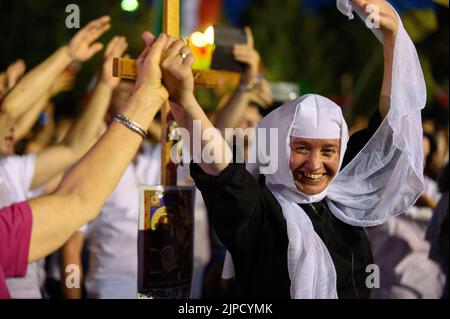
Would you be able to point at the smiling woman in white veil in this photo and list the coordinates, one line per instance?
(297, 233)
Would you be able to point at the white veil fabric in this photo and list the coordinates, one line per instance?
(382, 181)
(386, 177)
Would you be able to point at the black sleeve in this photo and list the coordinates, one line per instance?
(239, 208)
(359, 139)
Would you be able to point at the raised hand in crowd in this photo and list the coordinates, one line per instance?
(10, 77)
(14, 72)
(83, 46)
(83, 133)
(39, 79)
(115, 48)
(387, 17)
(246, 54)
(252, 88)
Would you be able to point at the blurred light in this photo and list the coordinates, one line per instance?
(202, 46)
(129, 5)
(442, 2)
(209, 35)
(198, 39)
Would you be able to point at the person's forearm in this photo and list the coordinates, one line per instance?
(86, 128)
(5, 124)
(81, 136)
(87, 185)
(44, 137)
(222, 155)
(385, 95)
(72, 292)
(3, 84)
(71, 256)
(26, 122)
(233, 111)
(118, 143)
(35, 83)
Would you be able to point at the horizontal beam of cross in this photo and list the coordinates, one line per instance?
(126, 69)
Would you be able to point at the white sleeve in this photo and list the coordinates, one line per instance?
(19, 169)
(83, 229)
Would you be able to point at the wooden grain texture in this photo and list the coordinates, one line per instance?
(126, 69)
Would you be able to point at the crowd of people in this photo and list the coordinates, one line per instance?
(69, 188)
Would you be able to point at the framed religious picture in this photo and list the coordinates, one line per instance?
(165, 242)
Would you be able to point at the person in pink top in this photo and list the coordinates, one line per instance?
(15, 233)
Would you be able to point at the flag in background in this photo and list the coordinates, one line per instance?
(190, 18)
(199, 14)
(194, 15)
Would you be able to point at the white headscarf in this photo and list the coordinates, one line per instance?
(382, 181)
(310, 116)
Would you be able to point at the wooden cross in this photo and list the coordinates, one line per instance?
(126, 68)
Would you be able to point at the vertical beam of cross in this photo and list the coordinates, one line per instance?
(171, 26)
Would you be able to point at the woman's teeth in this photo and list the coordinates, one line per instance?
(313, 176)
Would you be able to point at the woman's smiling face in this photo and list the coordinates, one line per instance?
(314, 163)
